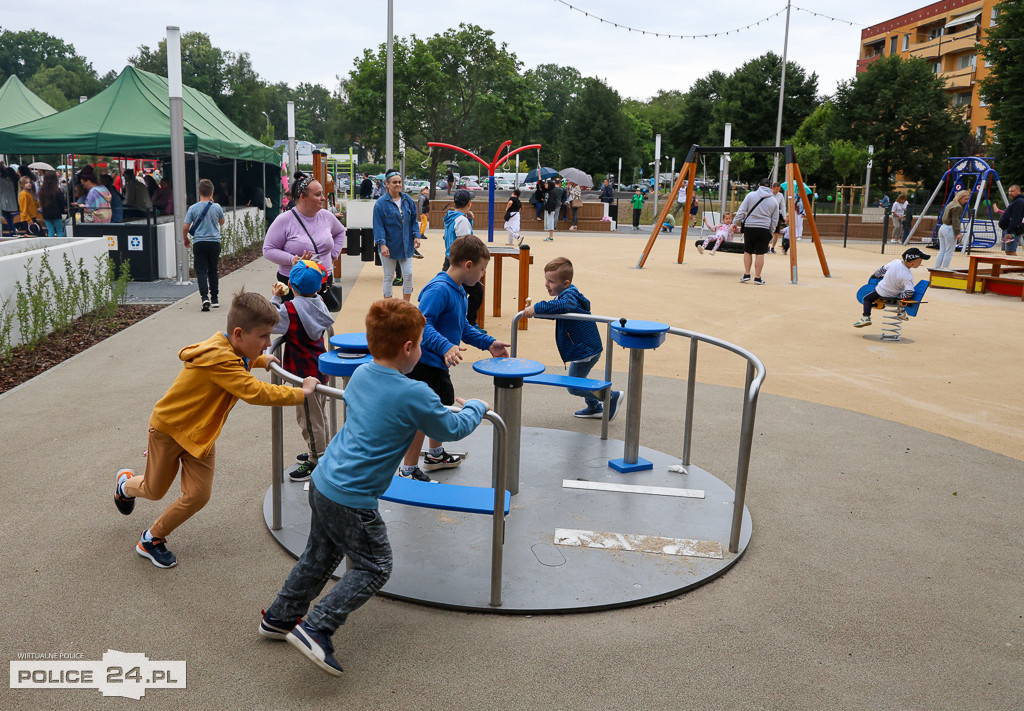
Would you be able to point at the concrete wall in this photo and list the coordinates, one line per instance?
(15, 256)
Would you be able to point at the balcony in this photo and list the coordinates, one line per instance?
(947, 44)
(862, 64)
(959, 79)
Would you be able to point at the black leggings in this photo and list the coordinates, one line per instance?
(206, 255)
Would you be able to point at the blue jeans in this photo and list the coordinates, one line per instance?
(581, 369)
(335, 531)
(55, 228)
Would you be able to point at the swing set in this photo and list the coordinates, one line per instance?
(688, 175)
(979, 230)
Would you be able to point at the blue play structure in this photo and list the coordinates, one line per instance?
(894, 310)
(979, 226)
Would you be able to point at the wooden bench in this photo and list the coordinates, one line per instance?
(1003, 285)
(446, 497)
(565, 381)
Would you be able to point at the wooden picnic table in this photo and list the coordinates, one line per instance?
(997, 262)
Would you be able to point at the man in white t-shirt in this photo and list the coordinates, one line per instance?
(896, 282)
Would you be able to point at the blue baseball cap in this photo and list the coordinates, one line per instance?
(306, 277)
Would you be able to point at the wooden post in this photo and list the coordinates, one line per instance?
(524, 282)
(690, 191)
(790, 214)
(810, 221)
(688, 167)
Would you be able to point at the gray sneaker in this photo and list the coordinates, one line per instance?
(417, 475)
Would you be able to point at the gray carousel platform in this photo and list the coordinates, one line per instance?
(442, 558)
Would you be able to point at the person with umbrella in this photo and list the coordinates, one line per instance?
(538, 198)
(552, 203)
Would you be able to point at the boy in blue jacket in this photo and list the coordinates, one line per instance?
(354, 472)
(443, 303)
(579, 342)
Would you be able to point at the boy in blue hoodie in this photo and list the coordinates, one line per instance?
(579, 342)
(354, 472)
(459, 223)
(443, 303)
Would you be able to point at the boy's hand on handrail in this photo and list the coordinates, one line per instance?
(453, 356)
(309, 385)
(462, 402)
(529, 311)
(271, 359)
(499, 349)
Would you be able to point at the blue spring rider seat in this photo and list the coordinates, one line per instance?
(893, 310)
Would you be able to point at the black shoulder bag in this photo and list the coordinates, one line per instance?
(329, 292)
(743, 223)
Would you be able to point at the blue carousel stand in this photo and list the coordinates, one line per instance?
(350, 342)
(638, 337)
(508, 374)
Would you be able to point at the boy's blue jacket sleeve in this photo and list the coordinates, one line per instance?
(442, 424)
(561, 304)
(432, 305)
(475, 337)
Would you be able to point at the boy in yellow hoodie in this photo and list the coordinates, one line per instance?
(187, 420)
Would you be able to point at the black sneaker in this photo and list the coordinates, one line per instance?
(156, 551)
(273, 628)
(416, 474)
(301, 457)
(206, 304)
(315, 646)
(124, 504)
(613, 406)
(759, 281)
(745, 278)
(416, 254)
(214, 303)
(443, 461)
(303, 472)
(398, 281)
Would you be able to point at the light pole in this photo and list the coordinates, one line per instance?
(782, 95)
(389, 103)
(267, 116)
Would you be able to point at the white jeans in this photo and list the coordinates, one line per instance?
(389, 274)
(947, 245)
(512, 227)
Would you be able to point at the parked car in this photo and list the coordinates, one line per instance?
(499, 183)
(414, 186)
(469, 184)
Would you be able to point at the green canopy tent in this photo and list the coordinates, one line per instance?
(18, 104)
(131, 118)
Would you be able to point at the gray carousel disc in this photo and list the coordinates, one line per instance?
(442, 558)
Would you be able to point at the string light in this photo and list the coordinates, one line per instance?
(708, 35)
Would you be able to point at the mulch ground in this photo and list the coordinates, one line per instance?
(90, 329)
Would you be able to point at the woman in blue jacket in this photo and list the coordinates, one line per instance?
(396, 234)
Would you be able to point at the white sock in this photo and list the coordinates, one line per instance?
(407, 468)
(120, 487)
(436, 451)
(147, 536)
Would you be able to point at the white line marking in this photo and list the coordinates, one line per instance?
(636, 542)
(632, 488)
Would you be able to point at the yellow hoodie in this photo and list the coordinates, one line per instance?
(214, 376)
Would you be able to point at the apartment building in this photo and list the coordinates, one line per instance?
(945, 34)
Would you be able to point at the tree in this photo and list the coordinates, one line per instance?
(811, 141)
(693, 123)
(1001, 89)
(596, 128)
(457, 87)
(202, 64)
(901, 108)
(555, 87)
(49, 66)
(847, 157)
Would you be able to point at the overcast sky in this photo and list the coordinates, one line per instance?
(314, 42)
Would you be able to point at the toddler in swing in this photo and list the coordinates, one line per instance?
(721, 232)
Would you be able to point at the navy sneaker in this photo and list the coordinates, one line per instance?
(273, 628)
(124, 504)
(156, 551)
(316, 646)
(418, 475)
(303, 472)
(590, 413)
(616, 400)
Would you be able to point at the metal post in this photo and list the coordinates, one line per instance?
(508, 403)
(723, 188)
(846, 224)
(234, 185)
(607, 376)
(691, 386)
(195, 163)
(657, 173)
(177, 113)
(389, 106)
(634, 396)
(276, 459)
(498, 520)
(293, 160)
(743, 463)
(867, 175)
(782, 96)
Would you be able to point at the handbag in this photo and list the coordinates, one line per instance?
(743, 227)
(577, 203)
(330, 292)
(195, 225)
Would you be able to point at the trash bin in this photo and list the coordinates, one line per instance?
(135, 242)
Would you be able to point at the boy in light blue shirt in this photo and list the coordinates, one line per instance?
(354, 472)
(202, 224)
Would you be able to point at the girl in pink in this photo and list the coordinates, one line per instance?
(721, 233)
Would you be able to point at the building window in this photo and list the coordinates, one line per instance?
(994, 20)
(966, 60)
(893, 44)
(979, 133)
(936, 67)
(935, 32)
(963, 99)
(981, 101)
(906, 43)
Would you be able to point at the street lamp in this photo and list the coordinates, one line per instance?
(267, 117)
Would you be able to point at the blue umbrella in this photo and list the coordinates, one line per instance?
(807, 188)
(545, 173)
